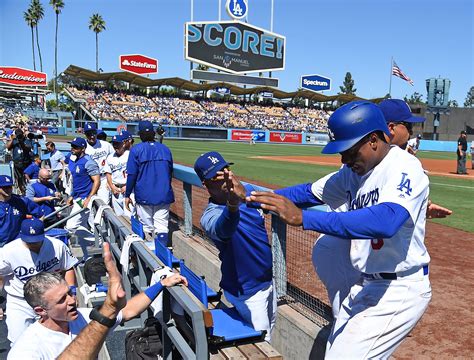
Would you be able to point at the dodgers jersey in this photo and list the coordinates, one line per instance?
(399, 178)
(99, 153)
(39, 342)
(116, 166)
(19, 263)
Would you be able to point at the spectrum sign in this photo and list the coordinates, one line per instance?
(138, 64)
(315, 82)
(23, 77)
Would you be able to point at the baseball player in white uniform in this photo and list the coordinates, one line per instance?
(414, 144)
(386, 192)
(20, 259)
(99, 150)
(116, 172)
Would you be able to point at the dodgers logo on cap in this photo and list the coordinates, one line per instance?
(207, 165)
(32, 231)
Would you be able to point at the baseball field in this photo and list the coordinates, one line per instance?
(284, 165)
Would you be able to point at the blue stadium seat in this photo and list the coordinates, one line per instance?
(165, 255)
(228, 326)
(137, 227)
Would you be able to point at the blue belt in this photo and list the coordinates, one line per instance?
(395, 276)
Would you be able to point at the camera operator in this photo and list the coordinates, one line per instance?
(21, 149)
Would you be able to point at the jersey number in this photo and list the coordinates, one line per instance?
(376, 244)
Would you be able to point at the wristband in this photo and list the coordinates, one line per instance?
(153, 291)
(101, 319)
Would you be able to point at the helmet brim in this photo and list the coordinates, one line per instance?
(335, 147)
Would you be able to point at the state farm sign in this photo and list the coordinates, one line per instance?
(138, 64)
(24, 77)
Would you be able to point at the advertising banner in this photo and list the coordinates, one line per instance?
(285, 137)
(22, 77)
(203, 133)
(234, 46)
(246, 135)
(315, 82)
(317, 139)
(138, 64)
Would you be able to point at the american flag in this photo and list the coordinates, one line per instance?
(397, 72)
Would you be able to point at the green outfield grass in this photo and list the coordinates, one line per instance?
(456, 194)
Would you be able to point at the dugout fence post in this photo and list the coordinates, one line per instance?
(279, 255)
(187, 206)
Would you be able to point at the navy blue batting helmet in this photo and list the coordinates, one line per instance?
(350, 123)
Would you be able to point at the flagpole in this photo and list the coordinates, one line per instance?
(391, 73)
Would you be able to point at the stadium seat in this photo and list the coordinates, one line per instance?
(165, 255)
(137, 227)
(197, 285)
(228, 326)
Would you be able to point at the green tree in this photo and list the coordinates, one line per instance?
(58, 5)
(30, 20)
(453, 103)
(38, 14)
(415, 98)
(97, 25)
(469, 102)
(348, 85)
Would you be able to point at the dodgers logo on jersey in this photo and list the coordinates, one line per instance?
(405, 184)
(362, 200)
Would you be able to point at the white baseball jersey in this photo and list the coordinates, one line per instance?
(117, 167)
(400, 179)
(413, 144)
(39, 342)
(99, 153)
(18, 263)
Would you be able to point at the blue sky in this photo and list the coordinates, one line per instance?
(328, 37)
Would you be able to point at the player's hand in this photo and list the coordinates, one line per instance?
(174, 280)
(115, 190)
(86, 202)
(50, 198)
(280, 205)
(69, 201)
(128, 202)
(434, 211)
(115, 300)
(234, 188)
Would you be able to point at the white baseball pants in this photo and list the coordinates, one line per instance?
(104, 192)
(258, 309)
(377, 315)
(154, 217)
(332, 263)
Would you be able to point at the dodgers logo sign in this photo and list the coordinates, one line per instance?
(237, 9)
(315, 82)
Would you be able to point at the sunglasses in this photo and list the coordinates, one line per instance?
(408, 125)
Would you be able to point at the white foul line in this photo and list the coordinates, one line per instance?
(456, 186)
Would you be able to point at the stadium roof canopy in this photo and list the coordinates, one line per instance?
(89, 75)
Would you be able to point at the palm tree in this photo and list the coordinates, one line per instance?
(97, 25)
(58, 5)
(30, 20)
(38, 13)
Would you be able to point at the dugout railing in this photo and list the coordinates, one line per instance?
(295, 279)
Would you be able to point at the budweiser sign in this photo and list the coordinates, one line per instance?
(24, 77)
(138, 64)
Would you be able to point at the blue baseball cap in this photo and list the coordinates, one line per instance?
(126, 134)
(395, 110)
(79, 142)
(207, 165)
(100, 131)
(118, 138)
(145, 126)
(32, 231)
(5, 180)
(90, 127)
(9, 133)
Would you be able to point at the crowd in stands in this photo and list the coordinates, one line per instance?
(106, 104)
(12, 115)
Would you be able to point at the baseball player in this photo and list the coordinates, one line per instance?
(240, 235)
(30, 254)
(116, 172)
(61, 321)
(43, 192)
(58, 165)
(128, 139)
(414, 144)
(385, 191)
(85, 176)
(149, 175)
(13, 210)
(32, 170)
(98, 150)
